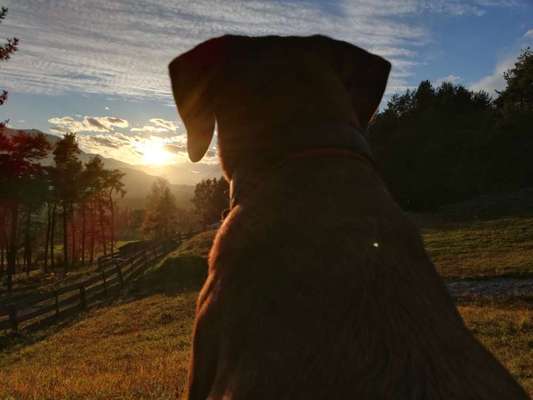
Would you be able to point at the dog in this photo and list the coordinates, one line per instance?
(319, 286)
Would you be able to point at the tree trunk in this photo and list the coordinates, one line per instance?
(52, 236)
(93, 231)
(65, 237)
(73, 254)
(83, 228)
(47, 237)
(2, 258)
(2, 242)
(27, 244)
(102, 227)
(12, 248)
(112, 209)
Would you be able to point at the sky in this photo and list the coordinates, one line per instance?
(99, 67)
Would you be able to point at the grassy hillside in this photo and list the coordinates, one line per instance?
(482, 248)
(138, 348)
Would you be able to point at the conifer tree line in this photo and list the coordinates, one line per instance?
(57, 216)
(439, 145)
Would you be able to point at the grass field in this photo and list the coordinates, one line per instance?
(138, 348)
(481, 249)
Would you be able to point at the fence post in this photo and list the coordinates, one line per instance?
(56, 303)
(13, 317)
(83, 300)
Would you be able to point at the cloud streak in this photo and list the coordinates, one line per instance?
(87, 124)
(122, 47)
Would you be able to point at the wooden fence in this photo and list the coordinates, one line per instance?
(111, 276)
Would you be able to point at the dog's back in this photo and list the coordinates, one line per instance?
(328, 294)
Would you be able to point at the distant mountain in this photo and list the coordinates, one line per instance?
(137, 182)
(186, 172)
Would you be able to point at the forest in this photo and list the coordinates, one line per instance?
(439, 145)
(66, 210)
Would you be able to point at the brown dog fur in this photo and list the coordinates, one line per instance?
(319, 287)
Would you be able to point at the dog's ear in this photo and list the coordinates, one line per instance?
(192, 75)
(364, 75)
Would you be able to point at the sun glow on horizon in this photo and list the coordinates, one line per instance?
(154, 153)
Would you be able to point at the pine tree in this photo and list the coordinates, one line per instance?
(160, 221)
(211, 198)
(518, 94)
(19, 162)
(113, 185)
(68, 170)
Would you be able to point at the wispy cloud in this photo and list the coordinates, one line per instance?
(159, 127)
(87, 124)
(529, 34)
(122, 47)
(163, 123)
(150, 129)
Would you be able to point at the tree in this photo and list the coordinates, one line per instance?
(430, 144)
(91, 181)
(98, 189)
(19, 163)
(68, 170)
(211, 198)
(113, 185)
(518, 94)
(160, 220)
(35, 195)
(87, 195)
(6, 50)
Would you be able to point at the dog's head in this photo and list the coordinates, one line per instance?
(266, 94)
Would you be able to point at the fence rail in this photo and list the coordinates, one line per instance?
(113, 273)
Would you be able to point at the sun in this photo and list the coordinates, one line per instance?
(154, 153)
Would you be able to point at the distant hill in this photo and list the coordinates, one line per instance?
(137, 182)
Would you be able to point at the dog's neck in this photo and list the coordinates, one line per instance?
(351, 144)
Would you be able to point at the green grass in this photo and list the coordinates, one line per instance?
(481, 249)
(198, 245)
(139, 347)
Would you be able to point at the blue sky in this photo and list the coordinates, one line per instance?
(99, 67)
